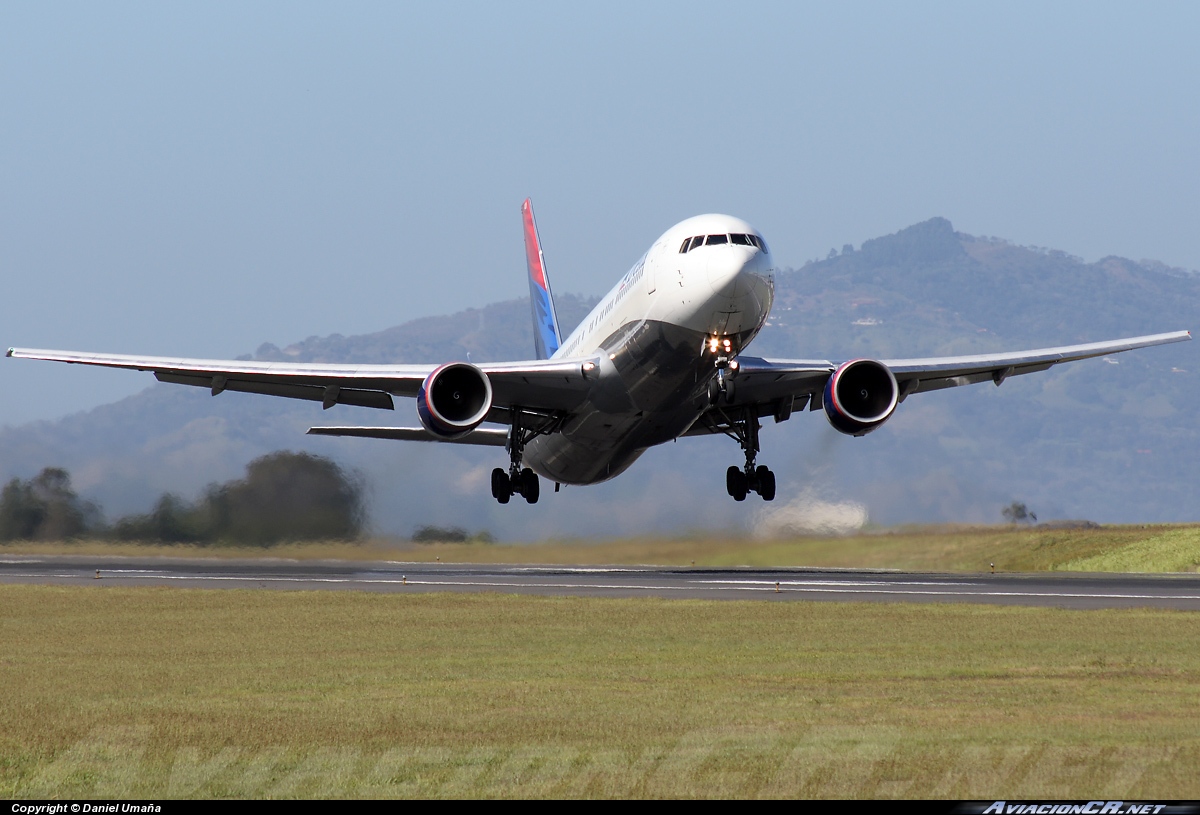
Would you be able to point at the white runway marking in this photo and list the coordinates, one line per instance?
(761, 586)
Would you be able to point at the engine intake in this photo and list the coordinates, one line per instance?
(454, 400)
(860, 396)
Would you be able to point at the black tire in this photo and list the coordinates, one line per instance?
(740, 485)
(732, 476)
(766, 483)
(531, 487)
(501, 489)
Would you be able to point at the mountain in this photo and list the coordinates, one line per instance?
(1113, 440)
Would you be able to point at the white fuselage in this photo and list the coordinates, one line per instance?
(654, 335)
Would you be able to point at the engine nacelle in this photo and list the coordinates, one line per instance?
(454, 400)
(860, 396)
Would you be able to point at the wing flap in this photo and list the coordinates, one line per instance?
(329, 395)
(485, 436)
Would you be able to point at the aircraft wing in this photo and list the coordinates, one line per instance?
(548, 385)
(779, 386)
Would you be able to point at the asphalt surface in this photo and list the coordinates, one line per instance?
(1081, 591)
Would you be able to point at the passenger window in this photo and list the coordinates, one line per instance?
(712, 239)
(740, 240)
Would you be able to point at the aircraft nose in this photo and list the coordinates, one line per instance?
(730, 269)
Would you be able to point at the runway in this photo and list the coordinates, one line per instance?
(1079, 591)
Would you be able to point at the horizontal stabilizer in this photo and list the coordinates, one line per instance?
(487, 436)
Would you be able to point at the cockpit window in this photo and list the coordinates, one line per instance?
(738, 238)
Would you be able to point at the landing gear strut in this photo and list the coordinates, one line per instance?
(750, 478)
(519, 480)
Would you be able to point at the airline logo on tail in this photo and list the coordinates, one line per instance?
(546, 337)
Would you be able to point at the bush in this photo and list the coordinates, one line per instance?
(450, 534)
(172, 520)
(440, 534)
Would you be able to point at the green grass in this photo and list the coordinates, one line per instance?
(946, 548)
(1177, 550)
(179, 693)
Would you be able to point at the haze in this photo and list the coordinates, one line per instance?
(199, 180)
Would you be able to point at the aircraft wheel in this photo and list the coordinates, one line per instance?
(736, 483)
(531, 487)
(501, 489)
(766, 483)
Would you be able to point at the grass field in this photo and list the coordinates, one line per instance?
(970, 549)
(180, 693)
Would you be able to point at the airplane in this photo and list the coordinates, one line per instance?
(661, 357)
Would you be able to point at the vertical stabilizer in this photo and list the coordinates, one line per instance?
(546, 337)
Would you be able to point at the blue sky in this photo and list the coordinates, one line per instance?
(197, 180)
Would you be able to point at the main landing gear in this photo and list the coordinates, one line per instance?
(519, 480)
(516, 481)
(739, 483)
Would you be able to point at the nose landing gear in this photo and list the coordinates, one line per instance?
(740, 482)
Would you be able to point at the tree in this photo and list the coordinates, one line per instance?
(45, 508)
(1017, 512)
(284, 496)
(287, 496)
(20, 512)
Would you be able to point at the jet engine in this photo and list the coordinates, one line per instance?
(860, 396)
(454, 399)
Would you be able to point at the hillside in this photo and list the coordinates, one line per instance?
(1111, 440)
